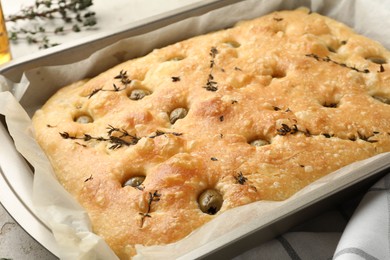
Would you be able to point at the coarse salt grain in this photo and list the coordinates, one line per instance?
(308, 168)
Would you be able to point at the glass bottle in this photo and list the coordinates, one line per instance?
(5, 54)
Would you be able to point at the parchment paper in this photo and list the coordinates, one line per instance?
(68, 221)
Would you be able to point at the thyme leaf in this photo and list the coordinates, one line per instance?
(175, 79)
(159, 133)
(381, 68)
(240, 178)
(90, 178)
(285, 129)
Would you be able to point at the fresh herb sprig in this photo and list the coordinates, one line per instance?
(117, 137)
(327, 59)
(153, 197)
(73, 14)
(123, 138)
(211, 84)
(122, 77)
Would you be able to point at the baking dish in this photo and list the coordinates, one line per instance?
(228, 244)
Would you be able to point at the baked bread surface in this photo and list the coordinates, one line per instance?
(266, 108)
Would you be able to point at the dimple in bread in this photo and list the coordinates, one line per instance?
(157, 146)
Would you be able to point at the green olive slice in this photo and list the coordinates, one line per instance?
(176, 114)
(84, 119)
(134, 181)
(377, 60)
(331, 49)
(233, 44)
(382, 99)
(259, 142)
(210, 201)
(137, 94)
(177, 58)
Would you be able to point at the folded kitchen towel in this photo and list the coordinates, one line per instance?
(367, 234)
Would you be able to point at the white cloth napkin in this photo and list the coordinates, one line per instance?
(367, 235)
(346, 232)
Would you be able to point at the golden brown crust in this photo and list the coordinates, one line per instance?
(302, 83)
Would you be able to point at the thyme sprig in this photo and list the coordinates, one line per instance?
(240, 178)
(73, 13)
(118, 137)
(211, 84)
(123, 139)
(124, 80)
(153, 197)
(327, 59)
(49, 8)
(285, 129)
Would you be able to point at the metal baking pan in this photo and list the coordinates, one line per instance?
(16, 175)
(82, 48)
(16, 179)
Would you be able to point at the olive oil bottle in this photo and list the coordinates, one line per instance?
(5, 54)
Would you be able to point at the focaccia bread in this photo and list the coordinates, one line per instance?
(159, 145)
